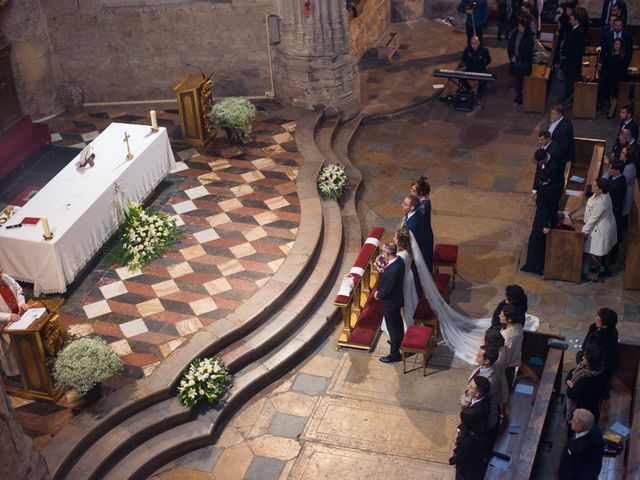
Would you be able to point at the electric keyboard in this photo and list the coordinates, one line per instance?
(462, 75)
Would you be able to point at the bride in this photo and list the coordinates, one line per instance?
(462, 334)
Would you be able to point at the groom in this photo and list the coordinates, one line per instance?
(389, 290)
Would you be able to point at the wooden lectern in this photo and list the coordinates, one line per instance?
(195, 99)
(31, 348)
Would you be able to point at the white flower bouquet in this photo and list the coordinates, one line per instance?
(145, 237)
(332, 181)
(206, 379)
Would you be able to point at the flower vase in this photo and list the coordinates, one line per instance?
(234, 136)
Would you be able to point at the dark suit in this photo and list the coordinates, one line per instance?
(606, 42)
(563, 136)
(469, 456)
(524, 58)
(557, 175)
(483, 407)
(617, 192)
(553, 149)
(582, 457)
(390, 292)
(606, 12)
(571, 53)
(632, 126)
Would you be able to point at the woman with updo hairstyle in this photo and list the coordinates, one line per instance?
(421, 189)
(603, 334)
(516, 296)
(403, 240)
(599, 228)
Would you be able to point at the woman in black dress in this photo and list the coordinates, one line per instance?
(603, 334)
(613, 70)
(586, 384)
(546, 202)
(471, 450)
(422, 189)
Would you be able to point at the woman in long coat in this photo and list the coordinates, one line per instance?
(546, 209)
(599, 227)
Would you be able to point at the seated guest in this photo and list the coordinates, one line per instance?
(586, 384)
(613, 70)
(546, 208)
(600, 229)
(513, 336)
(520, 50)
(479, 390)
(513, 295)
(12, 306)
(603, 334)
(582, 456)
(471, 449)
(475, 58)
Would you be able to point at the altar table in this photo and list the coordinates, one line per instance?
(84, 207)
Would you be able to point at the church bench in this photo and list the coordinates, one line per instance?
(361, 313)
(536, 85)
(632, 469)
(563, 253)
(585, 96)
(529, 412)
(632, 261)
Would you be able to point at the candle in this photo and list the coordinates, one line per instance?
(154, 120)
(45, 227)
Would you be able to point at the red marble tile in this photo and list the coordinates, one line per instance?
(288, 216)
(207, 205)
(169, 317)
(198, 221)
(198, 277)
(156, 270)
(139, 288)
(226, 303)
(278, 232)
(153, 338)
(230, 177)
(249, 211)
(140, 359)
(255, 266)
(123, 308)
(213, 190)
(235, 226)
(185, 297)
(107, 329)
(226, 243)
(267, 248)
(68, 320)
(242, 284)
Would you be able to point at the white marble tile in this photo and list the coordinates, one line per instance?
(218, 285)
(179, 166)
(203, 305)
(113, 289)
(197, 192)
(96, 309)
(184, 207)
(133, 328)
(189, 153)
(207, 235)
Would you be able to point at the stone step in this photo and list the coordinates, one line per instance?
(69, 445)
(308, 328)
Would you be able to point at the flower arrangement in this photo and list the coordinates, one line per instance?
(234, 114)
(380, 263)
(145, 237)
(84, 363)
(332, 181)
(206, 379)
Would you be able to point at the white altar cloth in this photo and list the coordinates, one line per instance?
(84, 207)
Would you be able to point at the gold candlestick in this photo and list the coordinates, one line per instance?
(126, 140)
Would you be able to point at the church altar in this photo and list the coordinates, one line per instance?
(84, 207)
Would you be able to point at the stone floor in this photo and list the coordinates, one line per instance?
(343, 413)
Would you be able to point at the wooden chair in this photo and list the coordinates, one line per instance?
(417, 340)
(443, 283)
(446, 255)
(425, 316)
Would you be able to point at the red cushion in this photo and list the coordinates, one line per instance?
(417, 337)
(445, 253)
(442, 281)
(423, 311)
(368, 323)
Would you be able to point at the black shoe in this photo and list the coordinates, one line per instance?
(390, 359)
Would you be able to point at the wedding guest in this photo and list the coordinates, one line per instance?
(571, 53)
(561, 130)
(628, 123)
(603, 334)
(504, 14)
(389, 290)
(613, 71)
(611, 7)
(513, 337)
(628, 157)
(618, 33)
(585, 384)
(544, 162)
(422, 190)
(617, 193)
(520, 51)
(12, 306)
(582, 456)
(471, 447)
(549, 146)
(600, 229)
(493, 338)
(480, 389)
(513, 295)
(545, 218)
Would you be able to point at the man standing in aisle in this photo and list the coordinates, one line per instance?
(389, 290)
(12, 305)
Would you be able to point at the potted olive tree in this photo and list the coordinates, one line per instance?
(235, 115)
(84, 363)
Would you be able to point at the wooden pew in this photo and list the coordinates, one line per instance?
(632, 469)
(529, 411)
(563, 255)
(536, 85)
(585, 96)
(632, 262)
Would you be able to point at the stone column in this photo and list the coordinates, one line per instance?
(312, 63)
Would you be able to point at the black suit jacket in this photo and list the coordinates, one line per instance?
(556, 172)
(606, 42)
(524, 55)
(553, 150)
(483, 408)
(572, 50)
(632, 126)
(604, 17)
(417, 226)
(617, 192)
(390, 286)
(582, 457)
(563, 136)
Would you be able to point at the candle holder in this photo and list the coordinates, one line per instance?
(155, 130)
(49, 237)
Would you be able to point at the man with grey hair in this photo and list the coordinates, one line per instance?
(582, 456)
(389, 290)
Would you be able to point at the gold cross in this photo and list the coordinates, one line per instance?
(126, 140)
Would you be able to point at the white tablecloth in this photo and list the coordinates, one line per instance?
(84, 207)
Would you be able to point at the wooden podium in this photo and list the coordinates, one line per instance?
(31, 347)
(195, 99)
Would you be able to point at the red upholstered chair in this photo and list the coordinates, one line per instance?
(425, 316)
(417, 340)
(446, 255)
(443, 282)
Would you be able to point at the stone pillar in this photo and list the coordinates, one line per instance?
(24, 24)
(312, 63)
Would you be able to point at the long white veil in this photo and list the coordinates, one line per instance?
(462, 334)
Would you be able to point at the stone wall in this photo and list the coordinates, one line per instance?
(366, 29)
(403, 10)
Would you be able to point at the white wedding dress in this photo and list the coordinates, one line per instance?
(409, 293)
(463, 335)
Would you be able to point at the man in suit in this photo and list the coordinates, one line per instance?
(545, 162)
(561, 130)
(389, 291)
(618, 32)
(582, 456)
(613, 7)
(499, 392)
(628, 123)
(624, 139)
(479, 389)
(617, 192)
(571, 53)
(548, 145)
(414, 221)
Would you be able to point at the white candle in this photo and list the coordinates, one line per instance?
(154, 119)
(45, 227)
